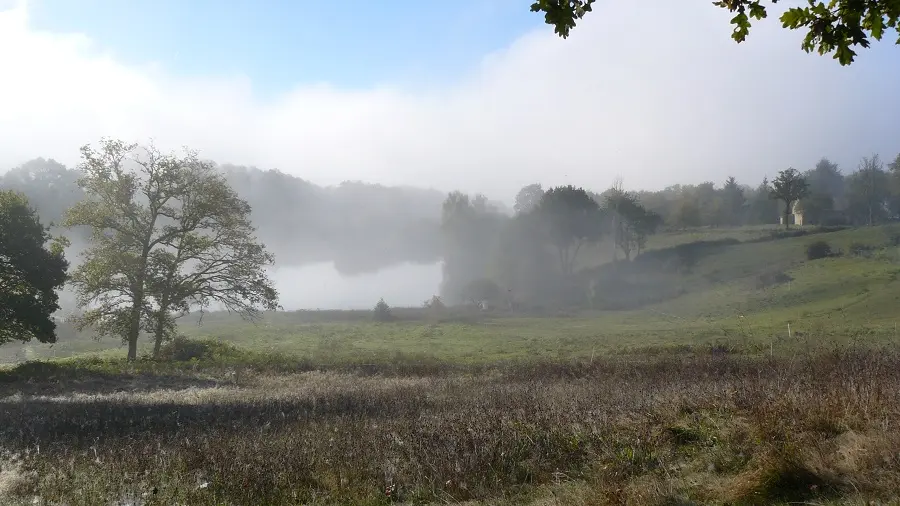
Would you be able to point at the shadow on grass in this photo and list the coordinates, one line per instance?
(79, 422)
(67, 378)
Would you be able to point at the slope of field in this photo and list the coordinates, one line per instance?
(741, 289)
(741, 373)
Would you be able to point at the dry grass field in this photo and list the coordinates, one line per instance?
(644, 428)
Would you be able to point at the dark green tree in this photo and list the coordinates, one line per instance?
(32, 269)
(816, 207)
(833, 26)
(789, 187)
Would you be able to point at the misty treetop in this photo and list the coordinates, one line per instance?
(360, 227)
(835, 26)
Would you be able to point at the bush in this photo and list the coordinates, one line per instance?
(818, 249)
(382, 311)
(772, 278)
(182, 349)
(859, 249)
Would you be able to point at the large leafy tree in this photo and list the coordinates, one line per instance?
(832, 27)
(167, 233)
(32, 268)
(571, 218)
(789, 187)
(210, 256)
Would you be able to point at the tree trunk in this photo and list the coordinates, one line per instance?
(787, 215)
(160, 325)
(158, 337)
(134, 328)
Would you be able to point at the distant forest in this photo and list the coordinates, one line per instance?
(360, 227)
(528, 254)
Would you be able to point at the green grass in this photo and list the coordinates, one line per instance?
(717, 303)
(701, 397)
(832, 299)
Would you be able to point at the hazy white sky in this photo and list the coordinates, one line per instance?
(654, 91)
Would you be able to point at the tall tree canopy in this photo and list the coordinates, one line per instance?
(30, 273)
(571, 217)
(167, 233)
(528, 198)
(835, 26)
(868, 192)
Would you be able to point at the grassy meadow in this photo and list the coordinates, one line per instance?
(750, 375)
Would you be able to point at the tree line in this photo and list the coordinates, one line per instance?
(868, 195)
(360, 227)
(533, 255)
(165, 234)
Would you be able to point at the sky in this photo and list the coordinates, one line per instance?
(477, 95)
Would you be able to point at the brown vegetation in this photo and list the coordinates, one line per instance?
(635, 429)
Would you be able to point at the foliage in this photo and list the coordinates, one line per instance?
(482, 289)
(817, 250)
(836, 26)
(789, 187)
(868, 192)
(182, 349)
(30, 272)
(816, 208)
(631, 222)
(734, 201)
(168, 233)
(471, 230)
(570, 218)
(528, 198)
(382, 312)
(562, 14)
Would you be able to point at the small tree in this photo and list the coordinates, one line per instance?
(382, 312)
(30, 273)
(789, 187)
(631, 222)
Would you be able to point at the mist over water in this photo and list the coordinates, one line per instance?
(321, 286)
